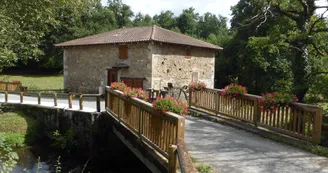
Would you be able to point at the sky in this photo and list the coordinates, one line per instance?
(153, 7)
(221, 7)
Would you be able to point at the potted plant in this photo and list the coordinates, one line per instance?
(170, 104)
(118, 86)
(233, 90)
(196, 86)
(272, 101)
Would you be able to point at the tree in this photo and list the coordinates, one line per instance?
(210, 23)
(187, 22)
(122, 12)
(24, 23)
(165, 20)
(282, 30)
(142, 20)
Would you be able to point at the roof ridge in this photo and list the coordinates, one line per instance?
(152, 35)
(187, 36)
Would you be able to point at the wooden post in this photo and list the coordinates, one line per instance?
(140, 123)
(119, 109)
(55, 99)
(39, 98)
(81, 102)
(70, 97)
(217, 102)
(106, 99)
(190, 95)
(6, 86)
(6, 96)
(172, 158)
(98, 104)
(257, 112)
(21, 97)
(316, 133)
(180, 129)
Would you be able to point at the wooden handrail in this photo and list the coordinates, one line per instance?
(185, 162)
(55, 96)
(298, 120)
(159, 130)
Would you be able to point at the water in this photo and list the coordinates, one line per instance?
(28, 160)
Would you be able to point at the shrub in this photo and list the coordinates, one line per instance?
(118, 86)
(271, 101)
(170, 104)
(196, 86)
(233, 90)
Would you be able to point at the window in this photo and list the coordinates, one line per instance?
(188, 55)
(133, 82)
(123, 52)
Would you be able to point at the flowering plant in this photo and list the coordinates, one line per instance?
(233, 90)
(196, 86)
(118, 86)
(135, 92)
(170, 104)
(271, 101)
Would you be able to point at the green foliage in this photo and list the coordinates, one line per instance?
(142, 20)
(64, 141)
(8, 158)
(17, 128)
(275, 49)
(170, 104)
(272, 101)
(203, 168)
(165, 20)
(233, 90)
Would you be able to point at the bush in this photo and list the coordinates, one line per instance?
(197, 86)
(118, 86)
(170, 104)
(271, 101)
(233, 90)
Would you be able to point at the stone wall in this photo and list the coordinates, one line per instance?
(171, 65)
(85, 66)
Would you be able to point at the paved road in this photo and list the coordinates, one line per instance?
(89, 105)
(230, 150)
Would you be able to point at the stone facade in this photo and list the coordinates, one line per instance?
(85, 66)
(171, 65)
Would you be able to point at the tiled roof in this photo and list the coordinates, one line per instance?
(139, 34)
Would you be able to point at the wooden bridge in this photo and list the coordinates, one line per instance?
(161, 140)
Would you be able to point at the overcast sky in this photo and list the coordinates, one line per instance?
(153, 7)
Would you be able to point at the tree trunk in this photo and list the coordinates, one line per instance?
(300, 71)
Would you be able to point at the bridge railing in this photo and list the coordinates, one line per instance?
(298, 120)
(55, 96)
(159, 130)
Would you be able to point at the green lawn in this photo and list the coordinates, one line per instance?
(37, 82)
(17, 128)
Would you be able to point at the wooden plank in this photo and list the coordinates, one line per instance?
(172, 159)
(303, 122)
(81, 102)
(21, 97)
(317, 124)
(55, 99)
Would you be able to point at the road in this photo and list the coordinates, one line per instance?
(230, 150)
(89, 104)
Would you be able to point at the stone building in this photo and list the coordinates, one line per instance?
(147, 57)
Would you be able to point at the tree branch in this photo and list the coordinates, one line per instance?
(317, 7)
(318, 20)
(293, 17)
(317, 49)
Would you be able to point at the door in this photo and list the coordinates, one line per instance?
(112, 76)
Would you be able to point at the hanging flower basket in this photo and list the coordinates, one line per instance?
(170, 104)
(272, 101)
(196, 86)
(233, 90)
(118, 86)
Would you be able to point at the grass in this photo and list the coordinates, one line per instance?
(37, 81)
(17, 128)
(201, 167)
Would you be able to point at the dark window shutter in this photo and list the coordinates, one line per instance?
(124, 52)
